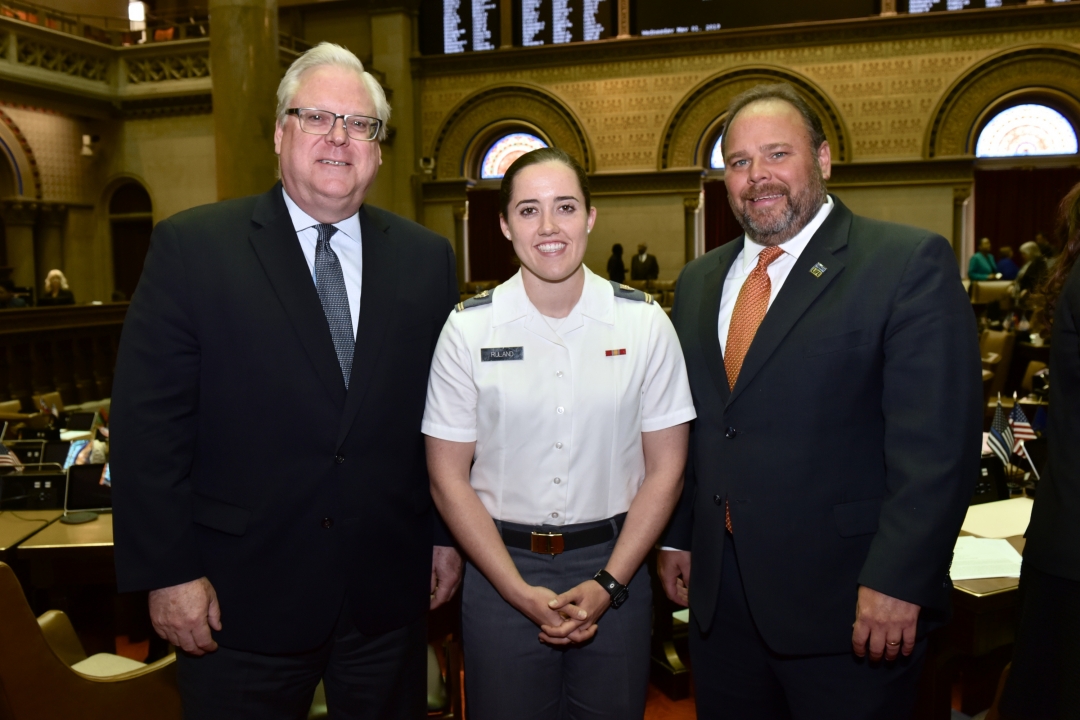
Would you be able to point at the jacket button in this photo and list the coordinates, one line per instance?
(730, 433)
(328, 523)
(718, 500)
(339, 459)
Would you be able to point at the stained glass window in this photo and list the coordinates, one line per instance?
(505, 151)
(1027, 130)
(716, 157)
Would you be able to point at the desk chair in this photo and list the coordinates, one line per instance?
(45, 674)
(995, 348)
(1025, 387)
(51, 400)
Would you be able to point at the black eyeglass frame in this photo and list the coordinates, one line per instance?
(376, 123)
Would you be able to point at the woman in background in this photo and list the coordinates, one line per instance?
(557, 420)
(57, 291)
(1045, 678)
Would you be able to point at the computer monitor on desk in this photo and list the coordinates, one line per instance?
(87, 494)
(991, 485)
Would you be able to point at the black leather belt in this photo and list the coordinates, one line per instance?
(554, 543)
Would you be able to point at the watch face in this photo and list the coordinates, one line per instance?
(619, 598)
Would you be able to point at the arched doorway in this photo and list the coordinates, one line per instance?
(130, 223)
(721, 226)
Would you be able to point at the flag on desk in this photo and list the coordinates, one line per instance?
(1021, 428)
(7, 458)
(1001, 435)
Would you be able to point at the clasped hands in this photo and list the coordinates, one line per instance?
(565, 618)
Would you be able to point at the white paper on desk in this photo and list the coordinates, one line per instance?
(1001, 519)
(975, 558)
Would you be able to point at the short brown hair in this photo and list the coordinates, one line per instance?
(535, 157)
(777, 91)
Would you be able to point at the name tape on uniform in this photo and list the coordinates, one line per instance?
(505, 353)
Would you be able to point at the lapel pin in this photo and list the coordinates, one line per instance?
(612, 353)
(818, 270)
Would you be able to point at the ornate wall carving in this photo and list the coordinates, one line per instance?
(465, 125)
(191, 66)
(694, 118)
(954, 120)
(25, 168)
(59, 59)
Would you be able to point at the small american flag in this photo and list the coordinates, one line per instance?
(1021, 428)
(1001, 435)
(7, 458)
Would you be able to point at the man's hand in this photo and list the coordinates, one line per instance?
(582, 605)
(445, 574)
(674, 569)
(886, 623)
(184, 614)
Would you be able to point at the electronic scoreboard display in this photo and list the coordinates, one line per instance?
(554, 22)
(672, 17)
(457, 26)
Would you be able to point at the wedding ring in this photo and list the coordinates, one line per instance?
(894, 644)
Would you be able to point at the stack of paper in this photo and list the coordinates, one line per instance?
(1001, 519)
(975, 557)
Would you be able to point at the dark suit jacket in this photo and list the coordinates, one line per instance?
(237, 452)
(849, 447)
(648, 270)
(1053, 538)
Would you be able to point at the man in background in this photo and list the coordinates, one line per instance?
(835, 370)
(270, 482)
(644, 266)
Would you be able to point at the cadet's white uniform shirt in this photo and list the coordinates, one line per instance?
(557, 431)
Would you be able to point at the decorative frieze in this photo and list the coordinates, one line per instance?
(192, 66)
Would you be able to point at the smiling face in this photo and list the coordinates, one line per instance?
(547, 221)
(775, 179)
(328, 176)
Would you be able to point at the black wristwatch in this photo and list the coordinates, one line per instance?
(618, 592)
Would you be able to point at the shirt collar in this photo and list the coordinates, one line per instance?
(510, 302)
(795, 245)
(349, 227)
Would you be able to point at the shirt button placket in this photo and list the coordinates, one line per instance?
(564, 392)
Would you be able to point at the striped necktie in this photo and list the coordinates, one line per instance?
(330, 284)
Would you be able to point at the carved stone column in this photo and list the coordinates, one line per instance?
(461, 250)
(50, 242)
(623, 10)
(245, 72)
(961, 193)
(19, 220)
(690, 209)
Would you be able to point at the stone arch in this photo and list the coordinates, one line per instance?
(18, 154)
(695, 119)
(1040, 73)
(481, 116)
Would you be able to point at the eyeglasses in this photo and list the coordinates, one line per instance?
(321, 122)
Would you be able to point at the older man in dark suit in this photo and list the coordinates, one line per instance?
(835, 369)
(270, 481)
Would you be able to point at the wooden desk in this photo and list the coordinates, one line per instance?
(58, 536)
(17, 525)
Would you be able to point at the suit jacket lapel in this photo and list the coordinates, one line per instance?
(709, 314)
(379, 278)
(274, 241)
(799, 291)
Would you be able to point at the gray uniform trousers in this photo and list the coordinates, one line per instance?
(509, 673)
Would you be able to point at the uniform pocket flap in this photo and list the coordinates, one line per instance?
(218, 515)
(837, 343)
(857, 518)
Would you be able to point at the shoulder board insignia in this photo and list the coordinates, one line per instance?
(483, 298)
(628, 293)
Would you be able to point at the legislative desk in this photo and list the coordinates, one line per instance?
(18, 525)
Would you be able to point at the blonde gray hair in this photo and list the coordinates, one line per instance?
(57, 273)
(330, 54)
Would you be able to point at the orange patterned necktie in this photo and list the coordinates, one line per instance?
(750, 308)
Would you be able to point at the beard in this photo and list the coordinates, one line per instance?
(778, 225)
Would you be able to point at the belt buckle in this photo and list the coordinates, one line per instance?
(547, 543)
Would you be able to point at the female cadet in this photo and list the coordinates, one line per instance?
(568, 397)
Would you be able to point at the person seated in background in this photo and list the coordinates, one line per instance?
(982, 265)
(1005, 266)
(1048, 251)
(1031, 275)
(56, 291)
(616, 270)
(9, 299)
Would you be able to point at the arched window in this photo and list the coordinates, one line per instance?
(1027, 130)
(716, 156)
(504, 151)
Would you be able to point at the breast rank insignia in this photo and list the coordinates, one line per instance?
(818, 270)
(613, 353)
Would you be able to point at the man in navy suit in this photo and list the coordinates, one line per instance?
(835, 369)
(271, 487)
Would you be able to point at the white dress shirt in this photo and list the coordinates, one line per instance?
(778, 269)
(558, 431)
(346, 244)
